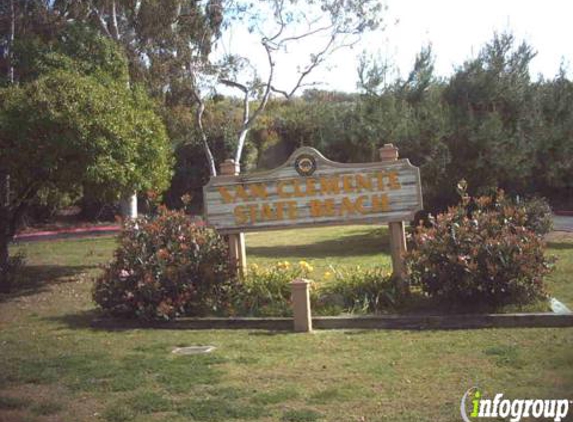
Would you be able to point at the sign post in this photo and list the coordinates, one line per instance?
(309, 191)
(389, 153)
(235, 241)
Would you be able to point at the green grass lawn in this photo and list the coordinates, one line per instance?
(55, 367)
(345, 245)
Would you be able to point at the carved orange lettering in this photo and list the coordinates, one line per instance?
(393, 182)
(330, 185)
(280, 210)
(380, 203)
(297, 189)
(240, 192)
(292, 211)
(380, 178)
(253, 213)
(315, 208)
(240, 215)
(363, 182)
(227, 197)
(310, 187)
(347, 206)
(328, 208)
(347, 183)
(359, 204)
(267, 212)
(280, 189)
(258, 191)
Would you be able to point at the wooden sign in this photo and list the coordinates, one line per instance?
(310, 190)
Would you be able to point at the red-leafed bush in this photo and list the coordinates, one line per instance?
(166, 266)
(479, 253)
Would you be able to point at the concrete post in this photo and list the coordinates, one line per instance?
(302, 316)
(236, 241)
(389, 153)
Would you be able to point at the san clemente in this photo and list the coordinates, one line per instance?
(324, 193)
(309, 190)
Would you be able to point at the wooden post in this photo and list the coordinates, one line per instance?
(302, 317)
(397, 232)
(236, 241)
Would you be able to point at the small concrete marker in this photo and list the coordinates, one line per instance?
(192, 350)
(558, 307)
(302, 317)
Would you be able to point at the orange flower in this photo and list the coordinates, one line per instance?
(163, 253)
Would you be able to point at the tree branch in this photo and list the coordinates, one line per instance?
(306, 34)
(102, 23)
(316, 60)
(279, 15)
(114, 21)
(136, 9)
(248, 123)
(234, 84)
(199, 121)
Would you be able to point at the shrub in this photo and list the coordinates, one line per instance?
(357, 290)
(267, 292)
(166, 266)
(481, 253)
(538, 214)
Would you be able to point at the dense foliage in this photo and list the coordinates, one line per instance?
(74, 126)
(362, 291)
(489, 123)
(166, 266)
(479, 253)
(66, 130)
(267, 291)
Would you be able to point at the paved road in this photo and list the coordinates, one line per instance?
(563, 223)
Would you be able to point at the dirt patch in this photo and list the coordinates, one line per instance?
(71, 407)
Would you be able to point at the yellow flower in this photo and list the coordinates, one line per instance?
(327, 275)
(254, 267)
(284, 265)
(305, 266)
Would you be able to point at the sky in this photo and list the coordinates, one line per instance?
(457, 29)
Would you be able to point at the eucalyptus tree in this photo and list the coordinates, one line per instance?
(278, 27)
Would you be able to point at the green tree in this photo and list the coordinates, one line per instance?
(493, 118)
(409, 113)
(65, 131)
(552, 173)
(163, 40)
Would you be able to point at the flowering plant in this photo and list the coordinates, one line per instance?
(166, 266)
(267, 291)
(358, 290)
(480, 253)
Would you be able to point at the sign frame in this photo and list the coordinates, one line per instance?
(315, 165)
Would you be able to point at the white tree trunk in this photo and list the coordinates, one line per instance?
(11, 41)
(129, 207)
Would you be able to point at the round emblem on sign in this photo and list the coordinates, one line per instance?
(305, 165)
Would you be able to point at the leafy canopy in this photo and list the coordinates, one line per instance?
(65, 130)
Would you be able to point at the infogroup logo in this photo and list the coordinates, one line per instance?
(475, 406)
